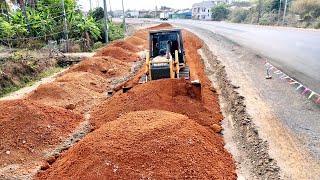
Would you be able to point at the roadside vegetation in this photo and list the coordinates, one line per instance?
(23, 67)
(32, 32)
(299, 13)
(33, 23)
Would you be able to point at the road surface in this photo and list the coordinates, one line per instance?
(295, 51)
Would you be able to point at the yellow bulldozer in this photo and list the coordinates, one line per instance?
(166, 56)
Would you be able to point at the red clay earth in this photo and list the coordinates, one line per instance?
(146, 145)
(140, 37)
(126, 46)
(139, 42)
(73, 91)
(27, 129)
(82, 86)
(152, 143)
(118, 53)
(167, 94)
(103, 66)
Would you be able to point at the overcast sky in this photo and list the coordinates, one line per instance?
(139, 4)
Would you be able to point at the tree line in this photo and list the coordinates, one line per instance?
(41, 20)
(296, 13)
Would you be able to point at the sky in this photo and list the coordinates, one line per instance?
(139, 4)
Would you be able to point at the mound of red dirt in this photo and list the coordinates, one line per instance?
(28, 128)
(73, 91)
(143, 34)
(103, 66)
(87, 80)
(167, 94)
(140, 38)
(125, 45)
(137, 41)
(118, 53)
(161, 26)
(146, 145)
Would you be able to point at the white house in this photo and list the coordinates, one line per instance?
(202, 10)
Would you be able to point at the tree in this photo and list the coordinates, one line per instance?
(97, 13)
(239, 15)
(307, 9)
(219, 12)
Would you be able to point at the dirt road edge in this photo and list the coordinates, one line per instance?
(241, 135)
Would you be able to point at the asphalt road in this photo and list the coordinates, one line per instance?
(295, 51)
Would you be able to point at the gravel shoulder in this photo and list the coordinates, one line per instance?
(286, 121)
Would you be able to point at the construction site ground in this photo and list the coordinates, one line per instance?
(81, 125)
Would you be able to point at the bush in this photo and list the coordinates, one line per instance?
(97, 45)
(115, 31)
(306, 8)
(317, 23)
(220, 12)
(238, 15)
(268, 19)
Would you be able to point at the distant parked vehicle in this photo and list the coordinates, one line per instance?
(164, 16)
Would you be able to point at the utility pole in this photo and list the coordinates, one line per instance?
(90, 1)
(110, 11)
(106, 29)
(65, 27)
(285, 11)
(279, 12)
(124, 18)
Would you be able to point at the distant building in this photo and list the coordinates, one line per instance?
(182, 14)
(202, 10)
(133, 14)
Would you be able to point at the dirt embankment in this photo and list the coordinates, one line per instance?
(32, 127)
(174, 134)
(27, 129)
(161, 129)
(146, 144)
(18, 70)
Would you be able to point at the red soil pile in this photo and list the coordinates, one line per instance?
(118, 53)
(139, 42)
(143, 34)
(102, 66)
(28, 128)
(140, 38)
(192, 44)
(161, 26)
(175, 95)
(73, 91)
(87, 80)
(125, 45)
(146, 145)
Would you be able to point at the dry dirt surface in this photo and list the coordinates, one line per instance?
(146, 145)
(175, 134)
(119, 53)
(105, 67)
(138, 133)
(28, 129)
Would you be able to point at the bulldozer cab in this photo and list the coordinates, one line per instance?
(166, 56)
(165, 43)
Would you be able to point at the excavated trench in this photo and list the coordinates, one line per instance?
(161, 129)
